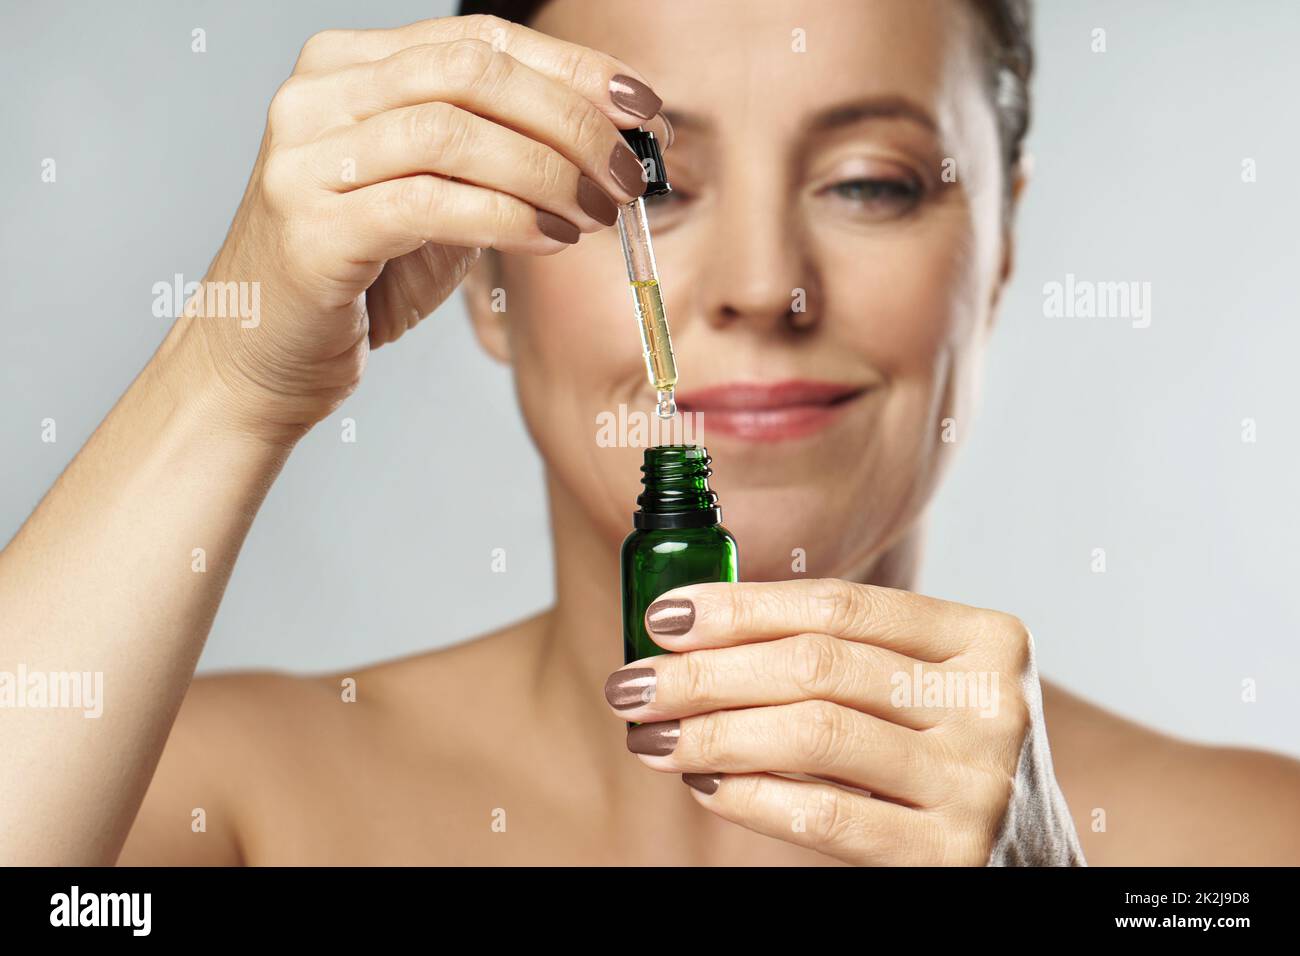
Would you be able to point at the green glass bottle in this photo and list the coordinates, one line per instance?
(678, 539)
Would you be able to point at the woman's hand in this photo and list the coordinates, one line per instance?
(929, 711)
(390, 159)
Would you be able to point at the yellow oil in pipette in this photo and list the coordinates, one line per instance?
(643, 275)
(661, 366)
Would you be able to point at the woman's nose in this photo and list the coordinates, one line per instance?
(757, 270)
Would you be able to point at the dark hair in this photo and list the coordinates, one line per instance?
(1010, 55)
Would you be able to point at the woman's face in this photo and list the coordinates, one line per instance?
(836, 218)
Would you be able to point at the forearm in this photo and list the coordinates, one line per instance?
(104, 578)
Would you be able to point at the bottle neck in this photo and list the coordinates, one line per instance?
(677, 493)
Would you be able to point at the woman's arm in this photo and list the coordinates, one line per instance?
(390, 159)
(105, 578)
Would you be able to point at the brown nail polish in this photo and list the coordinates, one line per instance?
(595, 202)
(631, 95)
(626, 170)
(654, 740)
(630, 687)
(706, 783)
(670, 617)
(553, 227)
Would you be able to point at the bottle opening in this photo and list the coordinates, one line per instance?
(677, 492)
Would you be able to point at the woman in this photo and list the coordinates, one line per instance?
(845, 176)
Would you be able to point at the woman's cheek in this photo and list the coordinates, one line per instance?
(907, 300)
(574, 356)
(938, 305)
(902, 296)
(573, 327)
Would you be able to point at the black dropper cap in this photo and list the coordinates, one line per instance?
(646, 147)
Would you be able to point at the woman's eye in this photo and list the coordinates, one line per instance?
(881, 197)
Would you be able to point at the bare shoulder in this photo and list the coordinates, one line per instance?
(229, 728)
(251, 749)
(1139, 796)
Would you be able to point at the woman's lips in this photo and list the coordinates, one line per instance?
(776, 411)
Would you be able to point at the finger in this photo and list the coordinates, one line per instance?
(784, 671)
(721, 615)
(845, 825)
(817, 738)
(446, 140)
(613, 87)
(470, 75)
(392, 218)
(412, 286)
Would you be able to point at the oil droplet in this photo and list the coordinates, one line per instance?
(667, 406)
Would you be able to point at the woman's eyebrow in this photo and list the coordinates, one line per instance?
(832, 117)
(868, 108)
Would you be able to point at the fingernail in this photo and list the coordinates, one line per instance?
(670, 617)
(706, 783)
(553, 227)
(631, 95)
(670, 135)
(626, 170)
(654, 740)
(595, 202)
(630, 688)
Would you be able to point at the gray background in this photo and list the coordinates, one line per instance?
(1093, 434)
